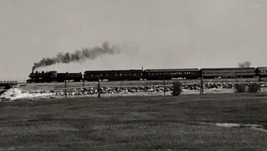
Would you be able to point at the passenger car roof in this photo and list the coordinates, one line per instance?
(171, 70)
(227, 68)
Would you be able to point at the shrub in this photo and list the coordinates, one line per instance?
(254, 87)
(177, 88)
(240, 88)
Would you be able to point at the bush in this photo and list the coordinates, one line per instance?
(254, 87)
(177, 88)
(240, 88)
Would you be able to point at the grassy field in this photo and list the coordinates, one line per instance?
(134, 123)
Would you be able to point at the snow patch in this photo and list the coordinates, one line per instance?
(227, 124)
(251, 126)
(17, 93)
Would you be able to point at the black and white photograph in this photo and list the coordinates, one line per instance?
(136, 75)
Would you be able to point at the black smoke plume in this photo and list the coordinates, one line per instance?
(78, 55)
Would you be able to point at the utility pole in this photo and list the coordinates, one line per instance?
(65, 86)
(259, 83)
(164, 86)
(83, 83)
(201, 85)
(98, 87)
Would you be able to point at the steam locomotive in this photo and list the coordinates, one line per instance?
(147, 74)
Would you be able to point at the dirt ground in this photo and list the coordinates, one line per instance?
(135, 123)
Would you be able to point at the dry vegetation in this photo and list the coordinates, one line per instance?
(134, 123)
(60, 85)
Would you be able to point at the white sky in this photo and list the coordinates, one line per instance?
(150, 33)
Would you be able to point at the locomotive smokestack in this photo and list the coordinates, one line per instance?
(33, 69)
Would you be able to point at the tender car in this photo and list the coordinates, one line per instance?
(76, 77)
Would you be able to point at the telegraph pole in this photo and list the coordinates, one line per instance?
(83, 83)
(164, 86)
(98, 87)
(65, 85)
(259, 83)
(201, 84)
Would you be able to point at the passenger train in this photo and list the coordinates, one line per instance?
(147, 74)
